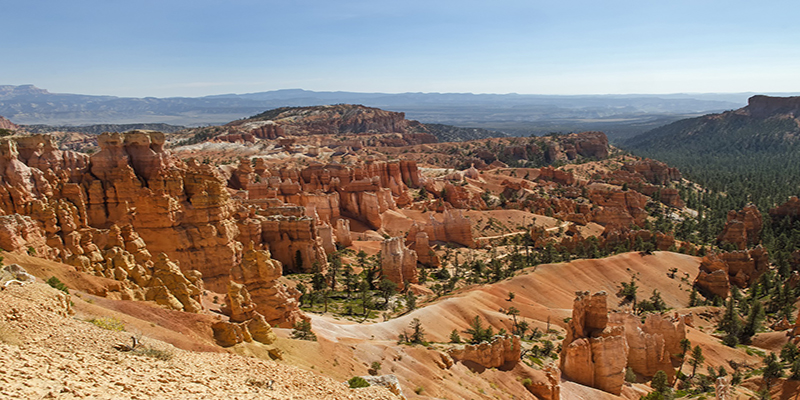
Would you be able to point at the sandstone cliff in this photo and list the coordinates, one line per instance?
(599, 347)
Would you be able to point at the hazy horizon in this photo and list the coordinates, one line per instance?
(205, 47)
(295, 89)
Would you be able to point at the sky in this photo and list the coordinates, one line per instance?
(169, 48)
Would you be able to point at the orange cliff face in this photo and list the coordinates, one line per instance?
(600, 346)
(109, 214)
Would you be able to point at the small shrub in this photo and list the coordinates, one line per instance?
(57, 284)
(357, 382)
(302, 330)
(162, 355)
(374, 368)
(419, 390)
(630, 376)
(109, 323)
(527, 382)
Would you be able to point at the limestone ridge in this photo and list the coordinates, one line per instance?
(598, 348)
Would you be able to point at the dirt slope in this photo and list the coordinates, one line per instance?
(46, 353)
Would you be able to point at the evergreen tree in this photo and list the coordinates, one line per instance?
(730, 324)
(753, 322)
(697, 359)
(660, 383)
(454, 337)
(411, 301)
(387, 289)
(772, 369)
(478, 333)
(417, 333)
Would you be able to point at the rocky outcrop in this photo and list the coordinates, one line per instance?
(651, 344)
(229, 334)
(425, 254)
(6, 124)
(556, 175)
(743, 228)
(790, 209)
(742, 268)
(179, 209)
(655, 172)
(262, 292)
(761, 106)
(398, 263)
(454, 228)
(169, 287)
(594, 354)
(19, 233)
(335, 119)
(621, 208)
(342, 230)
(497, 353)
(547, 387)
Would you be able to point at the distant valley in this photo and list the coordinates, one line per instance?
(620, 116)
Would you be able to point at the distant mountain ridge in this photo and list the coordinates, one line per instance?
(766, 122)
(100, 128)
(515, 113)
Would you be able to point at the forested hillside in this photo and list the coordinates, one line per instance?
(751, 154)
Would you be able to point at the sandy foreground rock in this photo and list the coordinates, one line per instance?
(47, 353)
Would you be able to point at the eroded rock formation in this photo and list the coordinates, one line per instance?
(259, 274)
(594, 354)
(651, 344)
(742, 268)
(398, 263)
(743, 228)
(454, 228)
(494, 354)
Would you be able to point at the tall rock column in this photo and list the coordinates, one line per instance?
(594, 354)
(398, 262)
(259, 273)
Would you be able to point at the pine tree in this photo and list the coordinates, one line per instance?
(772, 369)
(697, 359)
(454, 337)
(478, 333)
(417, 333)
(730, 324)
(693, 302)
(753, 322)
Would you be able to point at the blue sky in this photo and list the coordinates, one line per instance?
(195, 48)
